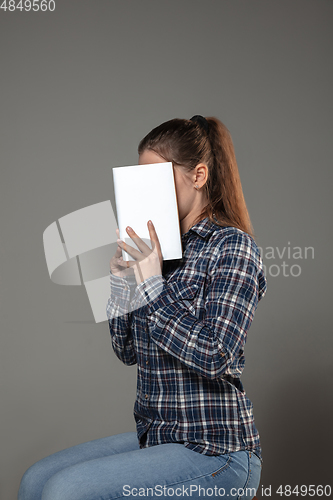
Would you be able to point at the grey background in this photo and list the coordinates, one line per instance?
(79, 88)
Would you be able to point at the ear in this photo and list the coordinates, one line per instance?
(201, 174)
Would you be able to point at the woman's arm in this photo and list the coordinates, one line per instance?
(236, 283)
(119, 317)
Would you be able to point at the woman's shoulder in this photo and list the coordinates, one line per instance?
(227, 239)
(235, 248)
(230, 236)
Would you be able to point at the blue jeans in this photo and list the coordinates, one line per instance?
(115, 467)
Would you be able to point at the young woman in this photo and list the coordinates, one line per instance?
(184, 323)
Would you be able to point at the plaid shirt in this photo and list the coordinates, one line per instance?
(186, 330)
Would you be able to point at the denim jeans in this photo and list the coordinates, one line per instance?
(115, 467)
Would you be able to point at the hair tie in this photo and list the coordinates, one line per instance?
(201, 121)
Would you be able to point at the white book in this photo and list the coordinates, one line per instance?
(143, 193)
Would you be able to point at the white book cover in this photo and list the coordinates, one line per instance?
(143, 193)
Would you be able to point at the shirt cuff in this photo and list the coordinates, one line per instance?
(151, 288)
(118, 303)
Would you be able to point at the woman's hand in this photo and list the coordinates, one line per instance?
(148, 261)
(115, 267)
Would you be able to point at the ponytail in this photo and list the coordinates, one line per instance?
(223, 187)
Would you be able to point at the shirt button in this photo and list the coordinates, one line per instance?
(222, 354)
(146, 396)
(147, 362)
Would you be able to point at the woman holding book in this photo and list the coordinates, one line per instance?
(184, 323)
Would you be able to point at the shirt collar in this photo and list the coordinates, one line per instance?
(203, 228)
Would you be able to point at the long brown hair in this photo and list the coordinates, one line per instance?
(187, 143)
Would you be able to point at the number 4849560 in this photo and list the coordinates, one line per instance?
(304, 490)
(27, 5)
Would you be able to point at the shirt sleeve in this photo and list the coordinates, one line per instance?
(235, 285)
(118, 312)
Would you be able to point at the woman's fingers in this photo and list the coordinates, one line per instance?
(118, 252)
(144, 249)
(142, 246)
(154, 239)
(147, 261)
(115, 256)
(130, 250)
(126, 263)
(153, 235)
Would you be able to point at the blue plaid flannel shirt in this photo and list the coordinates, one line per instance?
(186, 331)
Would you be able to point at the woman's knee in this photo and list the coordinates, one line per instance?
(32, 482)
(59, 488)
(78, 482)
